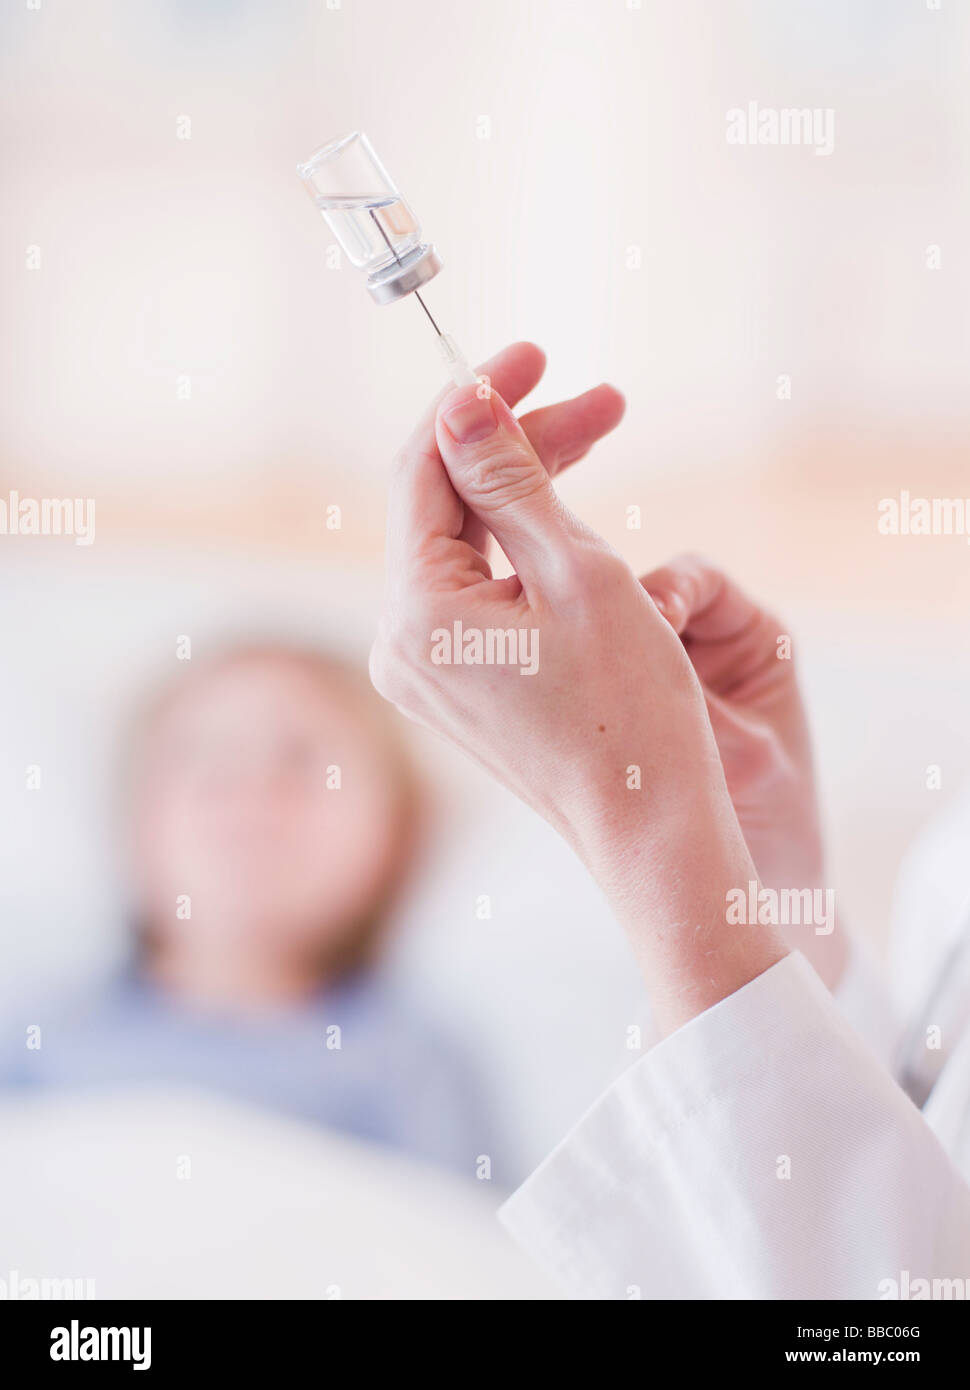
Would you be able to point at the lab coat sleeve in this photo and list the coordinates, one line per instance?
(761, 1151)
(864, 999)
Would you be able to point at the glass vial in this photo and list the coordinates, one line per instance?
(374, 226)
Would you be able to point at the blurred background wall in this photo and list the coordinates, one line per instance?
(175, 346)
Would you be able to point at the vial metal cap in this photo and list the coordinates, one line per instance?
(404, 276)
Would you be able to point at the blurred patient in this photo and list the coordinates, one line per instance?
(271, 817)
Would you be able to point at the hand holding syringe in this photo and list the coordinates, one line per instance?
(377, 231)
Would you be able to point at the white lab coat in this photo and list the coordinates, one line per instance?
(765, 1150)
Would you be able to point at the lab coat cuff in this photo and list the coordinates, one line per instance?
(863, 998)
(559, 1213)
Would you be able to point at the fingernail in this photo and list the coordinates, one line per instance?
(470, 420)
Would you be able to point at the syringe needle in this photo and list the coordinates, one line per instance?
(428, 312)
(390, 247)
(461, 373)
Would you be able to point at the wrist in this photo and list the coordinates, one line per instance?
(670, 879)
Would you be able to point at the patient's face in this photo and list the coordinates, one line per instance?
(260, 795)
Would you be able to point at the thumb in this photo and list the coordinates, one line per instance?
(499, 476)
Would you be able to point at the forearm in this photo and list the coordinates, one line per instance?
(669, 885)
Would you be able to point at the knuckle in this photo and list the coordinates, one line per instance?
(503, 477)
(693, 574)
(590, 575)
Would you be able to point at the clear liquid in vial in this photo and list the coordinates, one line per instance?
(371, 229)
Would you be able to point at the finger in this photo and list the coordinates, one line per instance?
(498, 475)
(562, 434)
(731, 641)
(699, 601)
(513, 373)
(422, 504)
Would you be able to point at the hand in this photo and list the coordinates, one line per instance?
(589, 707)
(742, 657)
(574, 608)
